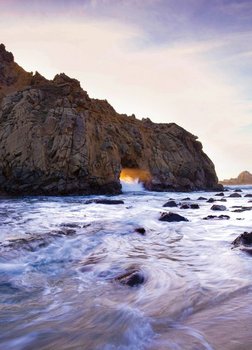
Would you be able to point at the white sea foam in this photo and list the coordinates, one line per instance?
(133, 185)
(61, 289)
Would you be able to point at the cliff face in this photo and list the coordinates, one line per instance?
(244, 178)
(56, 140)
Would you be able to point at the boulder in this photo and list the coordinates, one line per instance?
(202, 199)
(235, 195)
(244, 242)
(189, 206)
(170, 204)
(221, 194)
(218, 207)
(194, 206)
(140, 230)
(185, 206)
(244, 238)
(224, 217)
(171, 217)
(211, 200)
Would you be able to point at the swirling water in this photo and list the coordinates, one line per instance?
(59, 258)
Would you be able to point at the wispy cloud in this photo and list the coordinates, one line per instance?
(142, 61)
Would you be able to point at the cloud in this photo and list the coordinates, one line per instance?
(174, 82)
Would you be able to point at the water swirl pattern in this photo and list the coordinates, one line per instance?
(60, 259)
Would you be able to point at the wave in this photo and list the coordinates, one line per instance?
(132, 186)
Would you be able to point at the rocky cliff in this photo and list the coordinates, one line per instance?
(55, 139)
(244, 178)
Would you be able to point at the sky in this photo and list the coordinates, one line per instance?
(182, 61)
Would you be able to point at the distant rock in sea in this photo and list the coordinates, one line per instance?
(245, 178)
(55, 139)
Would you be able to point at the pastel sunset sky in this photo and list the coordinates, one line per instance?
(182, 61)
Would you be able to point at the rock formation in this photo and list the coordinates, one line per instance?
(55, 139)
(245, 178)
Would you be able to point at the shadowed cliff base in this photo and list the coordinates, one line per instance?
(55, 140)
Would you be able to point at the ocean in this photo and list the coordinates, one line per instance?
(61, 259)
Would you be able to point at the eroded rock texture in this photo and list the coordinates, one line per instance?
(55, 139)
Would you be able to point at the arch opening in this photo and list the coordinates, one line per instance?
(133, 179)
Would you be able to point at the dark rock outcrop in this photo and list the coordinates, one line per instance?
(172, 217)
(104, 201)
(55, 139)
(235, 195)
(185, 206)
(244, 242)
(140, 230)
(218, 207)
(211, 200)
(194, 206)
(189, 206)
(170, 204)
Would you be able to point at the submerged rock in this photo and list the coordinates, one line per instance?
(218, 207)
(30, 244)
(35, 242)
(132, 278)
(241, 209)
(216, 217)
(70, 225)
(221, 194)
(249, 195)
(202, 199)
(171, 217)
(55, 139)
(104, 201)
